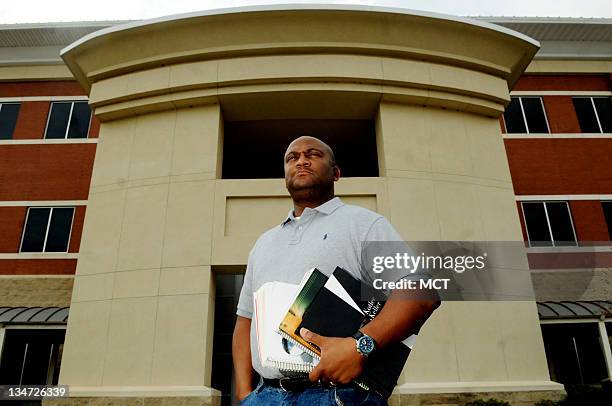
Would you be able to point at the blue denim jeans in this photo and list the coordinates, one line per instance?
(343, 396)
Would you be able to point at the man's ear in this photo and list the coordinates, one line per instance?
(336, 173)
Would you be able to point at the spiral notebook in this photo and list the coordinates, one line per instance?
(336, 306)
(271, 302)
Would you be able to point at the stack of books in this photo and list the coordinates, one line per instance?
(334, 306)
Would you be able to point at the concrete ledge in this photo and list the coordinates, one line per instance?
(517, 393)
(142, 391)
(463, 387)
(136, 401)
(138, 396)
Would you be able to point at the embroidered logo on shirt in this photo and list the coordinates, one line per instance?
(325, 236)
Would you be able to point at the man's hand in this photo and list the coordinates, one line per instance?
(340, 362)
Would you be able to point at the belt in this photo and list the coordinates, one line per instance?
(295, 384)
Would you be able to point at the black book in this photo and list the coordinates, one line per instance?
(337, 307)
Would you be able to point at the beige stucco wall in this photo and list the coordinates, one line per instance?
(160, 220)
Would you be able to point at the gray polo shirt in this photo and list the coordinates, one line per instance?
(324, 237)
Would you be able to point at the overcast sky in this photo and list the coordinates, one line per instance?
(30, 11)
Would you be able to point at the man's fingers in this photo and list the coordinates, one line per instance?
(316, 373)
(312, 337)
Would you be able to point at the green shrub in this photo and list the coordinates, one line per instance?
(489, 402)
(548, 402)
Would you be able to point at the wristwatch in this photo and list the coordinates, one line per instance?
(364, 343)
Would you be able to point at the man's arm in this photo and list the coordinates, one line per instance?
(398, 319)
(241, 354)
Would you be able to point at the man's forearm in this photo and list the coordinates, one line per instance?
(399, 318)
(241, 354)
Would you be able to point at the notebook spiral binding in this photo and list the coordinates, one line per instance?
(293, 367)
(308, 368)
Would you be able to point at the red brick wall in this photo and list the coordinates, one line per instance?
(589, 220)
(11, 226)
(541, 166)
(54, 88)
(563, 82)
(561, 114)
(46, 172)
(31, 120)
(38, 266)
(77, 229)
(94, 128)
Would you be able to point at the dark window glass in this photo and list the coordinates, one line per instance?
(8, 119)
(534, 113)
(604, 112)
(31, 357)
(537, 226)
(58, 120)
(513, 117)
(607, 209)
(268, 140)
(35, 229)
(586, 114)
(227, 292)
(561, 223)
(79, 121)
(59, 230)
(574, 353)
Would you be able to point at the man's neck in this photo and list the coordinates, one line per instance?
(298, 207)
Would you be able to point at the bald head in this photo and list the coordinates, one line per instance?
(313, 140)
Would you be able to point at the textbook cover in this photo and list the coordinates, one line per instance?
(335, 307)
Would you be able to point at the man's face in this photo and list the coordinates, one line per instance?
(308, 165)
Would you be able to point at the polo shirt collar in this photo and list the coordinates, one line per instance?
(326, 208)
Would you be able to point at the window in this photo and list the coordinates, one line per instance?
(607, 209)
(68, 120)
(549, 224)
(8, 118)
(227, 292)
(31, 356)
(594, 114)
(47, 229)
(574, 353)
(526, 115)
(254, 149)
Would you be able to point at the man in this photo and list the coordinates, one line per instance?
(319, 232)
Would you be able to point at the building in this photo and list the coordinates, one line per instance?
(142, 234)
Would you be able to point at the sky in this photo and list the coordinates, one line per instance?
(34, 11)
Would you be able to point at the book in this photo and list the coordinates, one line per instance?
(271, 302)
(337, 306)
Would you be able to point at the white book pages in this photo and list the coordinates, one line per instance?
(272, 301)
(334, 286)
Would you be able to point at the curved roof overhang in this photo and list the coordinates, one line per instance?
(397, 53)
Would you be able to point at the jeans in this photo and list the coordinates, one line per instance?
(342, 396)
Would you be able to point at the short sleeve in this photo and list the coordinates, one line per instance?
(381, 241)
(382, 230)
(245, 301)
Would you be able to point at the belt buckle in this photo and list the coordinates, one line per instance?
(280, 383)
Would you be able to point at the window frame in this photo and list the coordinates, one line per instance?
(69, 118)
(20, 326)
(47, 229)
(602, 331)
(601, 131)
(10, 102)
(609, 226)
(520, 99)
(552, 239)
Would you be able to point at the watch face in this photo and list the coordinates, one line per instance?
(366, 345)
